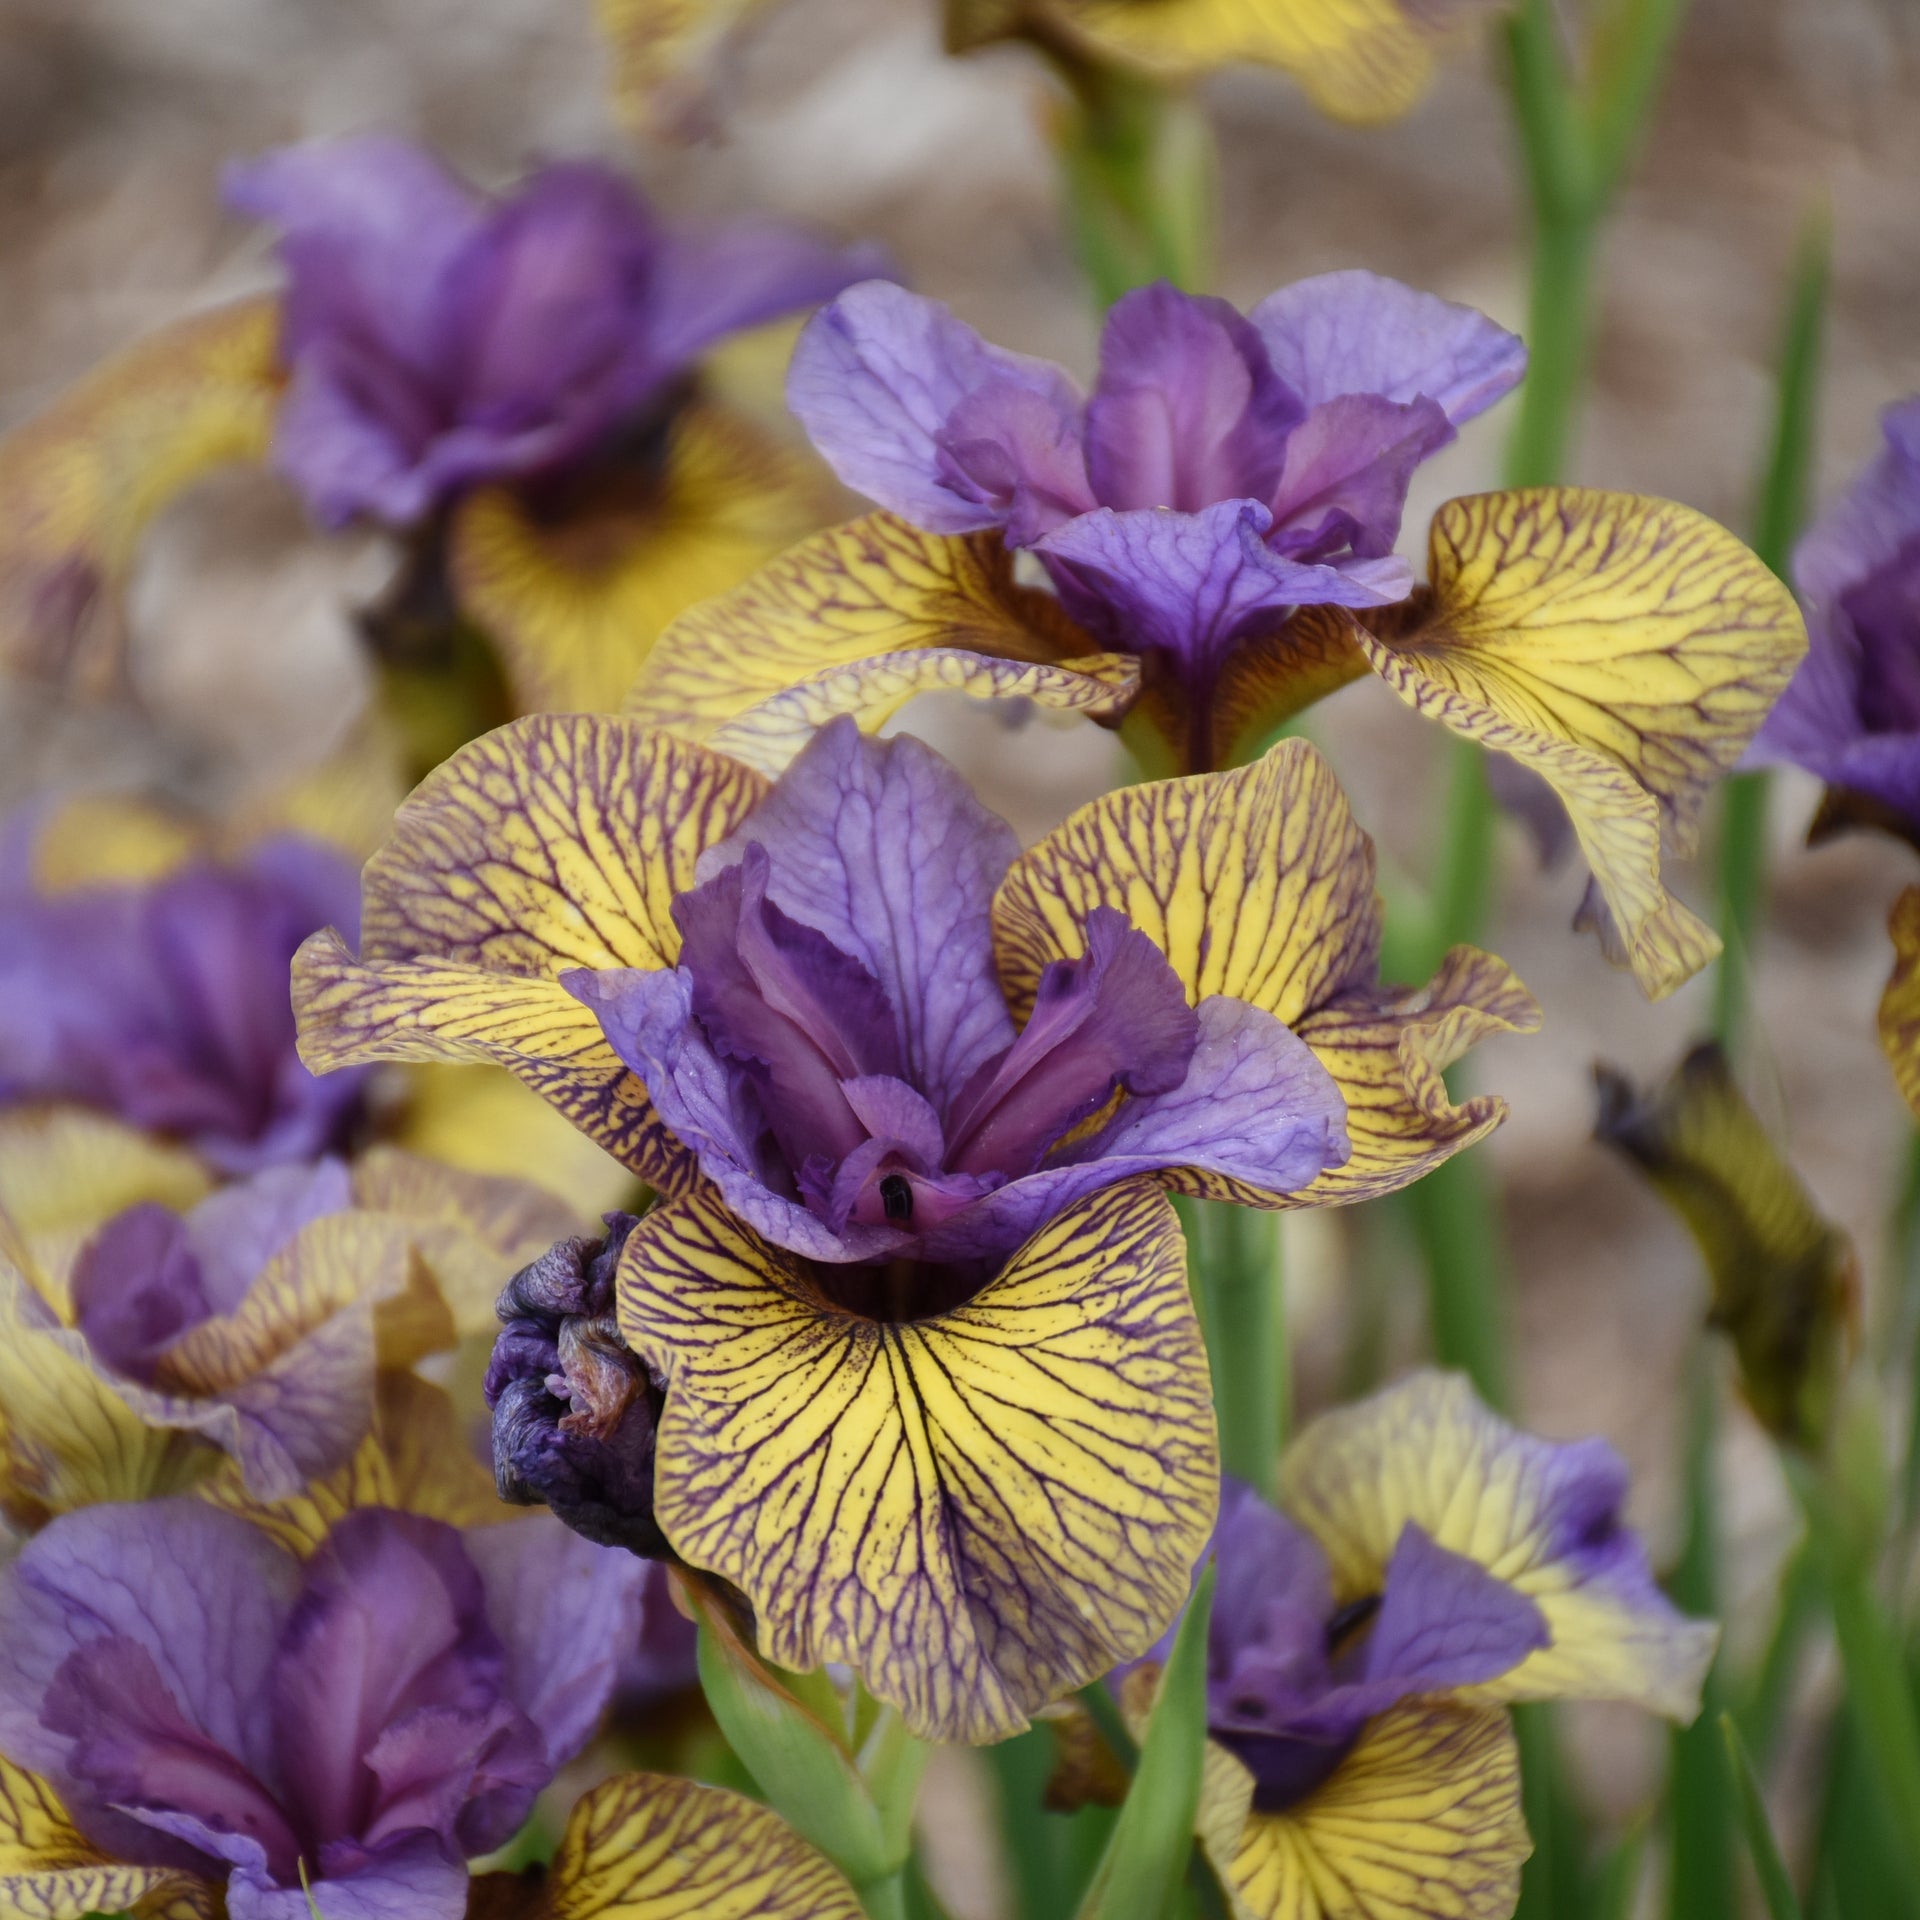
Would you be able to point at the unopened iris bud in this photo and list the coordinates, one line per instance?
(574, 1409)
(1785, 1280)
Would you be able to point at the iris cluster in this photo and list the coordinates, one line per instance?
(882, 1364)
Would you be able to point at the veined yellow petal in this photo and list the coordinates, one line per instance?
(649, 1846)
(417, 1457)
(67, 1439)
(49, 1870)
(79, 483)
(978, 1511)
(1258, 883)
(768, 735)
(1421, 1821)
(664, 55)
(1360, 60)
(486, 1121)
(64, 1171)
(1272, 676)
(574, 597)
(1541, 1517)
(558, 841)
(1900, 1004)
(879, 585)
(1624, 649)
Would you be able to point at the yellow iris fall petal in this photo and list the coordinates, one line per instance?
(977, 1511)
(1258, 883)
(79, 483)
(1625, 650)
(558, 841)
(1900, 1004)
(573, 599)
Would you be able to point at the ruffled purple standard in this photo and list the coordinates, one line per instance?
(1225, 469)
(167, 1004)
(377, 1715)
(1292, 1680)
(1851, 715)
(436, 339)
(836, 1048)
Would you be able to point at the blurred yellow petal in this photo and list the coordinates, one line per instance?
(1421, 1821)
(666, 56)
(1258, 883)
(109, 839)
(1900, 1004)
(64, 1171)
(1624, 649)
(67, 1439)
(472, 1232)
(1360, 60)
(79, 483)
(574, 595)
(1541, 1516)
(879, 585)
(419, 1457)
(558, 841)
(648, 1846)
(483, 1119)
(49, 1870)
(978, 1511)
(768, 735)
(1786, 1283)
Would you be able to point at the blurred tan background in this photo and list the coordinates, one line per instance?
(115, 119)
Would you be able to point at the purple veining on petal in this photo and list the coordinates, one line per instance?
(836, 1050)
(378, 1715)
(166, 1004)
(1851, 715)
(437, 340)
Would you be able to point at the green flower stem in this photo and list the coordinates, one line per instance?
(1138, 164)
(1780, 510)
(1456, 1220)
(1239, 1286)
(885, 1899)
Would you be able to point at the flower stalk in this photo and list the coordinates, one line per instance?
(1240, 1288)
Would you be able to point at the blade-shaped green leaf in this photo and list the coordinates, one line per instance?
(1145, 1864)
(1776, 1887)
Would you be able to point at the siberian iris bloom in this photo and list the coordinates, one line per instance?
(934, 1397)
(510, 384)
(1223, 507)
(193, 1716)
(1428, 1564)
(163, 1003)
(138, 1347)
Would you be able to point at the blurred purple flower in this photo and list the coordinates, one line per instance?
(1225, 469)
(198, 1698)
(852, 1081)
(437, 340)
(1851, 715)
(166, 1004)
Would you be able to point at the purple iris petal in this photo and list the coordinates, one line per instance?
(1851, 715)
(1347, 471)
(836, 1050)
(137, 1286)
(237, 1229)
(877, 380)
(166, 1004)
(437, 341)
(1187, 410)
(1357, 332)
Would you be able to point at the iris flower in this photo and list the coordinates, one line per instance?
(934, 1397)
(139, 1345)
(195, 1719)
(1224, 506)
(1428, 1564)
(511, 385)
